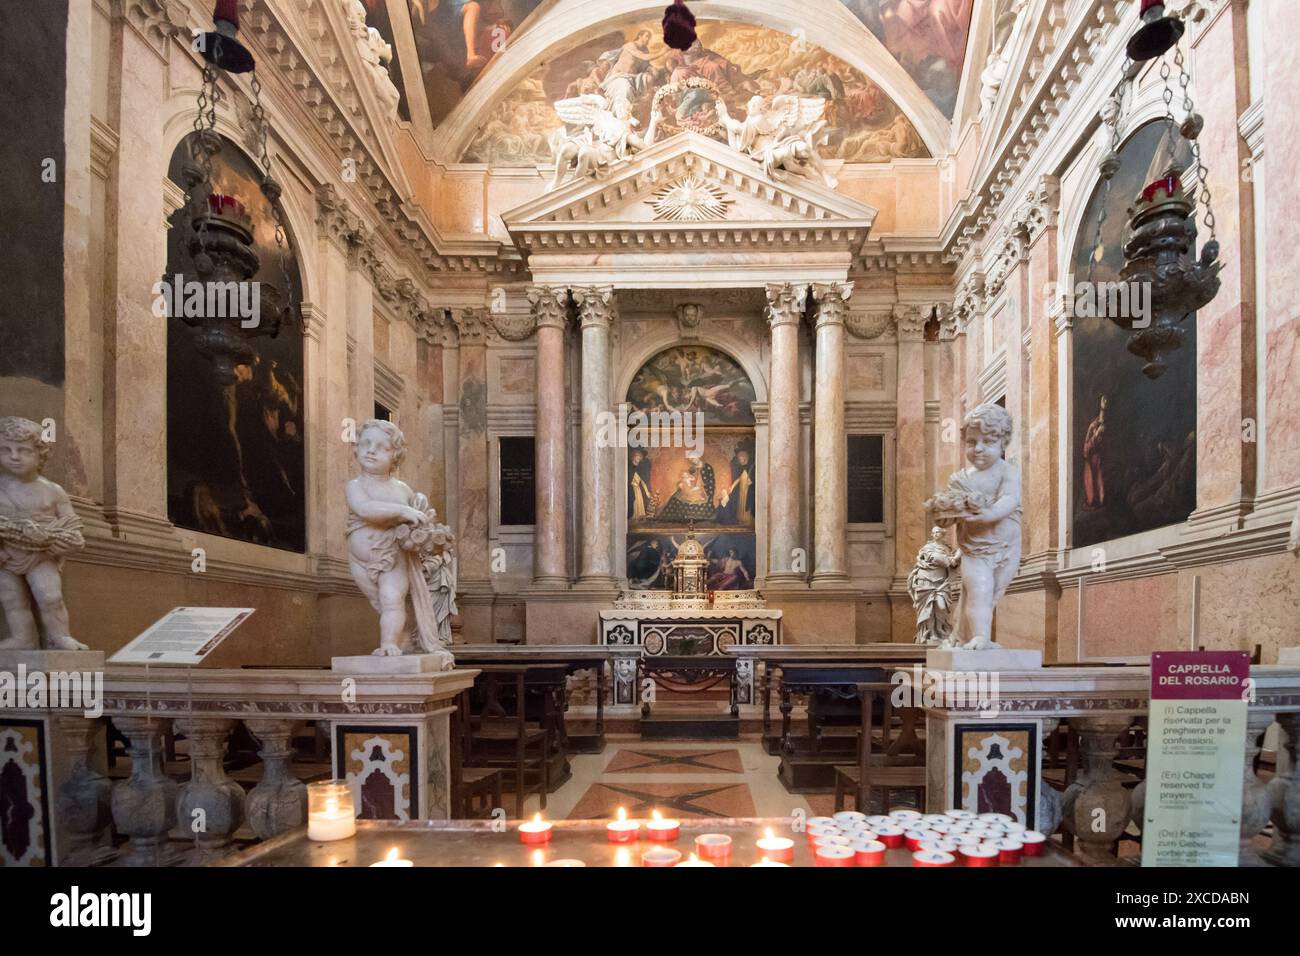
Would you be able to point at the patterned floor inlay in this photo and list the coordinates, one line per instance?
(655, 760)
(602, 800)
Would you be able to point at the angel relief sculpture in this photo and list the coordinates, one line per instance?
(594, 135)
(781, 132)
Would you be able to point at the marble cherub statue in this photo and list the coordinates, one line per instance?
(782, 133)
(595, 134)
(983, 501)
(934, 586)
(38, 529)
(398, 549)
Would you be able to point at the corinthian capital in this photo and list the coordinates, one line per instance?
(910, 321)
(596, 305)
(471, 325)
(830, 298)
(785, 301)
(549, 305)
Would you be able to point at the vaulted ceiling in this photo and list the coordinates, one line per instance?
(486, 71)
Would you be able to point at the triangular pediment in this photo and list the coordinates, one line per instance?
(691, 189)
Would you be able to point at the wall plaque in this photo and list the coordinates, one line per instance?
(866, 479)
(517, 480)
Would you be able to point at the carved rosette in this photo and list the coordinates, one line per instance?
(596, 306)
(549, 306)
(690, 199)
(830, 298)
(785, 303)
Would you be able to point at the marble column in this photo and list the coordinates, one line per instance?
(1226, 326)
(550, 546)
(596, 312)
(472, 476)
(785, 304)
(361, 325)
(910, 491)
(830, 446)
(948, 447)
(1039, 434)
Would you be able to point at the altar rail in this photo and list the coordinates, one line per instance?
(1099, 704)
(398, 717)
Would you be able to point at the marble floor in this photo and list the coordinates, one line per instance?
(694, 778)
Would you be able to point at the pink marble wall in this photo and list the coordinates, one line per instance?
(1039, 437)
(1122, 618)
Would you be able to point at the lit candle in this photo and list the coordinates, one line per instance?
(566, 863)
(330, 814)
(835, 856)
(694, 861)
(661, 856)
(714, 846)
(767, 862)
(778, 849)
(623, 830)
(392, 860)
(981, 854)
(660, 830)
(535, 831)
(869, 853)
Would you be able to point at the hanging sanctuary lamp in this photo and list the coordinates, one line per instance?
(221, 246)
(1160, 233)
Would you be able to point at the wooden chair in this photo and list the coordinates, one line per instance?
(475, 791)
(898, 766)
(508, 742)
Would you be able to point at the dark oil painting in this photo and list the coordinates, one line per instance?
(1133, 447)
(235, 452)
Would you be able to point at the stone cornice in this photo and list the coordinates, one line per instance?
(785, 303)
(970, 299)
(156, 21)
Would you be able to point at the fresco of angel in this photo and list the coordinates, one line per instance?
(782, 134)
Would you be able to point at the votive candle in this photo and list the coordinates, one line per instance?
(623, 830)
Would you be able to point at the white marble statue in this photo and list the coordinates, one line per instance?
(782, 133)
(38, 529)
(983, 501)
(397, 548)
(376, 53)
(992, 78)
(595, 134)
(934, 586)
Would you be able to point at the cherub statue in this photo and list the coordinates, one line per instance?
(594, 135)
(397, 548)
(38, 529)
(983, 501)
(933, 587)
(781, 135)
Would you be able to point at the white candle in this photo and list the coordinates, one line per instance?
(332, 823)
(623, 830)
(775, 848)
(694, 861)
(392, 860)
(660, 830)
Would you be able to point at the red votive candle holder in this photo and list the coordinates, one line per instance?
(914, 838)
(623, 830)
(835, 856)
(660, 830)
(535, 832)
(869, 853)
(890, 835)
(775, 848)
(661, 856)
(980, 854)
(933, 859)
(713, 846)
(849, 818)
(1035, 843)
(1009, 851)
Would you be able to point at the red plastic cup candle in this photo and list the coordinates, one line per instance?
(1034, 842)
(890, 835)
(869, 853)
(914, 838)
(818, 832)
(660, 830)
(392, 860)
(1009, 851)
(981, 854)
(996, 818)
(821, 822)
(535, 832)
(834, 839)
(694, 861)
(905, 815)
(960, 815)
(661, 856)
(713, 846)
(848, 818)
(880, 820)
(623, 830)
(775, 848)
(943, 846)
(933, 858)
(835, 856)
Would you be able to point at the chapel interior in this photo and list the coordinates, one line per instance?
(580, 425)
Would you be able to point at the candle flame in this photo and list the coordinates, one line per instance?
(392, 855)
(332, 805)
(622, 814)
(693, 860)
(768, 833)
(656, 815)
(537, 818)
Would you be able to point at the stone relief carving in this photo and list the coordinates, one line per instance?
(594, 135)
(689, 317)
(782, 134)
(867, 325)
(512, 328)
(690, 199)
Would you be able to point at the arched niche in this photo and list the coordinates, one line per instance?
(236, 450)
(689, 431)
(1133, 463)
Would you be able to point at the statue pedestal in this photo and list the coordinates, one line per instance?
(37, 659)
(993, 659)
(404, 664)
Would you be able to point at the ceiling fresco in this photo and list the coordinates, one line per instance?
(738, 60)
(457, 39)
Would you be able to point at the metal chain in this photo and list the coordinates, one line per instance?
(264, 157)
(1202, 174)
(205, 124)
(1114, 151)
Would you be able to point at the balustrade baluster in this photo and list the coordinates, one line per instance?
(279, 801)
(144, 805)
(1284, 794)
(210, 805)
(1096, 806)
